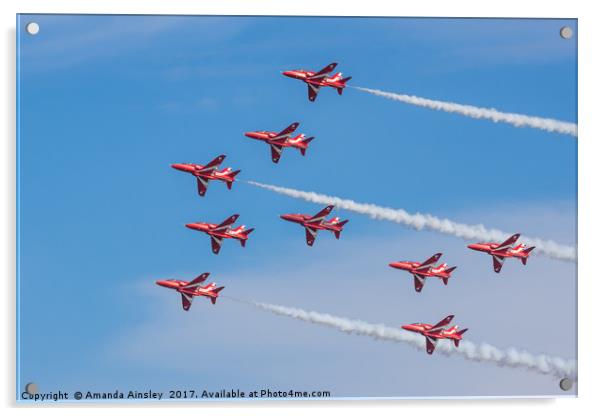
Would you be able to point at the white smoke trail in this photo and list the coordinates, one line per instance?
(511, 357)
(518, 120)
(425, 221)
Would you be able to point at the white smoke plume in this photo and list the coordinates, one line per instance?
(517, 120)
(425, 221)
(511, 357)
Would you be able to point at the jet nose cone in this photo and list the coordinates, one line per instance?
(179, 166)
(190, 225)
(472, 246)
(288, 74)
(406, 327)
(249, 134)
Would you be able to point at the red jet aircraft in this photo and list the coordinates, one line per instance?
(209, 172)
(218, 232)
(189, 290)
(433, 333)
(317, 222)
(425, 269)
(315, 80)
(500, 251)
(278, 141)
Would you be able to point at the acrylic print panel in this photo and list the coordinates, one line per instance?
(353, 150)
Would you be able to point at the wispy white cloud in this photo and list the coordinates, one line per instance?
(65, 41)
(68, 40)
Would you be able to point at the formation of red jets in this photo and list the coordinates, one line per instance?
(288, 138)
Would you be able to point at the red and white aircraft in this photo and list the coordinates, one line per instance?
(500, 251)
(425, 269)
(279, 141)
(317, 222)
(433, 333)
(322, 78)
(189, 290)
(208, 172)
(218, 232)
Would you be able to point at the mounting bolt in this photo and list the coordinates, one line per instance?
(31, 388)
(566, 384)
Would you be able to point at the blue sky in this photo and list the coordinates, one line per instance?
(108, 103)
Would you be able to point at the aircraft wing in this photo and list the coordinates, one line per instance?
(319, 217)
(418, 283)
(276, 152)
(312, 91)
(498, 262)
(201, 185)
(430, 345)
(323, 73)
(186, 301)
(287, 130)
(214, 164)
(426, 265)
(444, 322)
(197, 281)
(216, 243)
(310, 236)
(226, 223)
(508, 243)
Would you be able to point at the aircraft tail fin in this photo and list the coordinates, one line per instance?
(231, 178)
(304, 144)
(459, 333)
(337, 233)
(448, 272)
(216, 291)
(245, 234)
(526, 251)
(342, 81)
